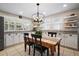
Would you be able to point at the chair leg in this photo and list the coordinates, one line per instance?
(41, 53)
(34, 52)
(25, 47)
(29, 49)
(47, 52)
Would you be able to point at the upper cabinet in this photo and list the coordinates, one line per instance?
(6, 25)
(16, 24)
(11, 25)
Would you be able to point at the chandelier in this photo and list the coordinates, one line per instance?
(38, 17)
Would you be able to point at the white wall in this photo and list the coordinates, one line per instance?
(56, 21)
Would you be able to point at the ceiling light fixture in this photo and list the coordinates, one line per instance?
(20, 14)
(65, 5)
(38, 17)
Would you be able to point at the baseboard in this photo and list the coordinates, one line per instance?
(69, 48)
(14, 44)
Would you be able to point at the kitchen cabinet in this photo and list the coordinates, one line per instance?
(11, 25)
(5, 25)
(69, 40)
(21, 37)
(9, 39)
(13, 38)
(16, 24)
(13, 30)
(16, 38)
(61, 35)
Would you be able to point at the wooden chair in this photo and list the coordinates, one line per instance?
(38, 45)
(27, 41)
(52, 34)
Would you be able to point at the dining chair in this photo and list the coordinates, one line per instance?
(38, 45)
(53, 34)
(27, 41)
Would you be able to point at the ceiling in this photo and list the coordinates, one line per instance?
(27, 9)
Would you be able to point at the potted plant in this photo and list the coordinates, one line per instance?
(38, 33)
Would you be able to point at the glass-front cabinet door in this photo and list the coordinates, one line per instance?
(5, 25)
(11, 25)
(16, 24)
(19, 26)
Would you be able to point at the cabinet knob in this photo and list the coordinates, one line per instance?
(70, 35)
(9, 34)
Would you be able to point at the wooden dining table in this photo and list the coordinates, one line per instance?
(51, 43)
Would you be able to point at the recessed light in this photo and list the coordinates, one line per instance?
(65, 5)
(21, 12)
(44, 13)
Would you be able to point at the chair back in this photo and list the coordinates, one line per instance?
(26, 37)
(36, 38)
(26, 34)
(52, 34)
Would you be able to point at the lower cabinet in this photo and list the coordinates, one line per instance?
(16, 38)
(21, 37)
(61, 35)
(13, 38)
(9, 39)
(69, 40)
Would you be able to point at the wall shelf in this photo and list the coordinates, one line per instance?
(70, 26)
(70, 23)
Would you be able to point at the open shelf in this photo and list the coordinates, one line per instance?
(70, 23)
(70, 26)
(70, 17)
(73, 21)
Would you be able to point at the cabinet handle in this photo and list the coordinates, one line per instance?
(70, 35)
(9, 34)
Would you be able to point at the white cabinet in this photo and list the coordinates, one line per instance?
(13, 38)
(16, 38)
(9, 39)
(72, 41)
(21, 37)
(16, 24)
(69, 40)
(61, 35)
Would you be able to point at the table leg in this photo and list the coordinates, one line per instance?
(47, 52)
(58, 49)
(25, 45)
(52, 51)
(29, 49)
